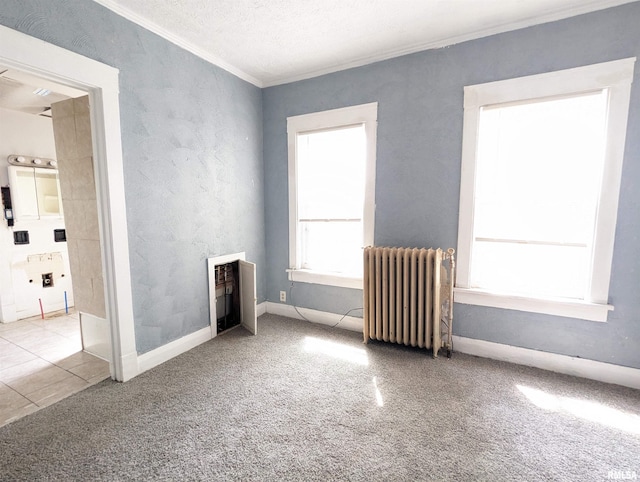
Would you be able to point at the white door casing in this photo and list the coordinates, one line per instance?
(100, 81)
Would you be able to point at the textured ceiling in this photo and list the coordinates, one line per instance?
(269, 42)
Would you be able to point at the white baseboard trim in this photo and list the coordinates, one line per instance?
(129, 367)
(579, 367)
(155, 357)
(164, 353)
(348, 323)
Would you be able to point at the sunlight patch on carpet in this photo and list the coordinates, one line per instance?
(593, 411)
(336, 350)
(379, 400)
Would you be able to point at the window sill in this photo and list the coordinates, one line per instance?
(330, 279)
(559, 307)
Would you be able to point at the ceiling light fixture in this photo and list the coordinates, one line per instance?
(41, 91)
(18, 160)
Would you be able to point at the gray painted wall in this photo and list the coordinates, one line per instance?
(192, 148)
(196, 184)
(418, 169)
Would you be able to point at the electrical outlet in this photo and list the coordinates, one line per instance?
(283, 296)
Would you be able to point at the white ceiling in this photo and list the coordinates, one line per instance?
(270, 42)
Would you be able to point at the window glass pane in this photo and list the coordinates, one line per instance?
(331, 173)
(332, 247)
(331, 183)
(539, 170)
(536, 270)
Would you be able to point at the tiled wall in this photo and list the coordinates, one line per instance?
(72, 132)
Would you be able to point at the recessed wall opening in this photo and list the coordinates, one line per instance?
(232, 293)
(227, 287)
(47, 280)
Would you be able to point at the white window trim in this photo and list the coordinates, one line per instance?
(615, 76)
(320, 278)
(366, 114)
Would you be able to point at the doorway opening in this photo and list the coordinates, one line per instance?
(48, 156)
(52, 320)
(49, 62)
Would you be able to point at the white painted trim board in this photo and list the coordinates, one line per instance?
(384, 54)
(164, 353)
(178, 40)
(332, 319)
(579, 367)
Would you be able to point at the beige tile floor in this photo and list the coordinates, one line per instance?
(42, 362)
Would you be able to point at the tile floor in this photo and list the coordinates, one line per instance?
(42, 362)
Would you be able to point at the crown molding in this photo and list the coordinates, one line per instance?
(270, 81)
(177, 40)
(586, 7)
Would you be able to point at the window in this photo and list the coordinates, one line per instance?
(331, 194)
(541, 166)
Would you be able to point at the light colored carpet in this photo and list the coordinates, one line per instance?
(306, 402)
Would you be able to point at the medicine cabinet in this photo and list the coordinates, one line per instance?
(35, 193)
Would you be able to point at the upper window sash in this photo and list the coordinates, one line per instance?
(616, 77)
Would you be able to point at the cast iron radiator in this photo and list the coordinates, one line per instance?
(408, 296)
